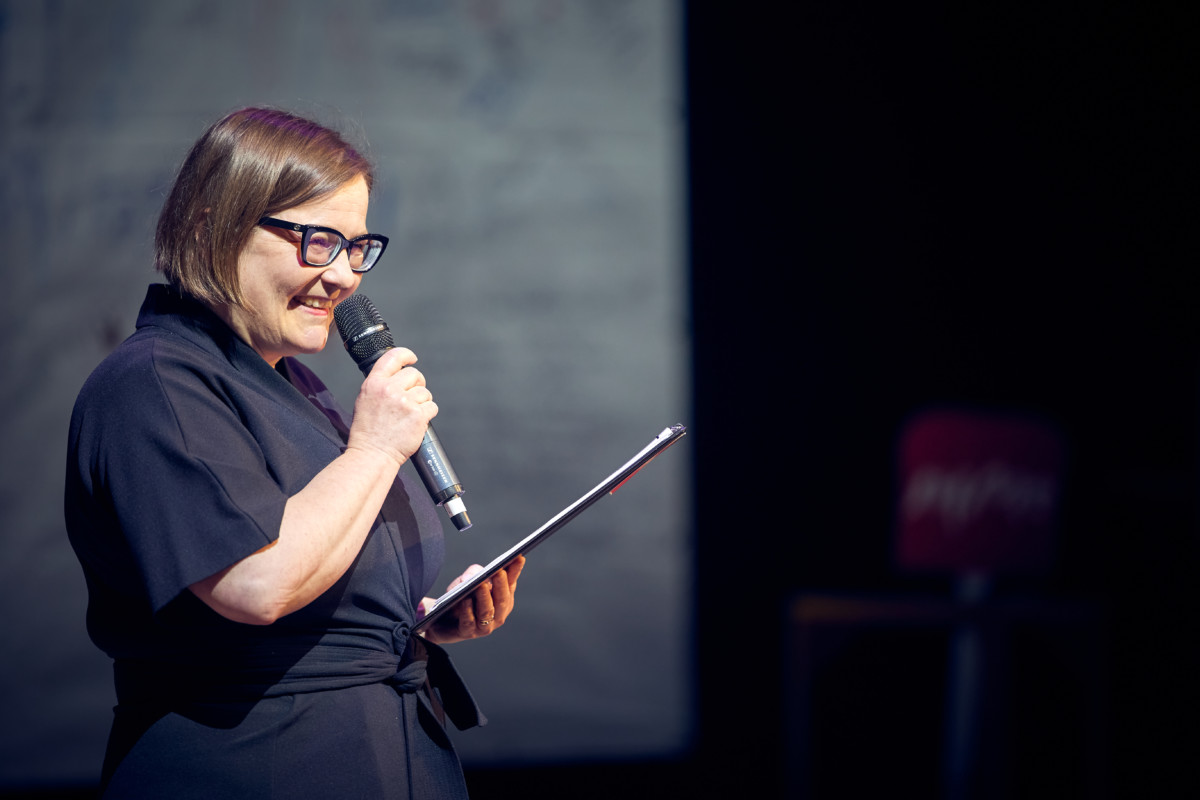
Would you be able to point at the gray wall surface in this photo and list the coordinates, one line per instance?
(530, 175)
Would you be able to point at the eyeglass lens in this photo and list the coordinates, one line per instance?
(323, 247)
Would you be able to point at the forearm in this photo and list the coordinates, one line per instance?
(323, 528)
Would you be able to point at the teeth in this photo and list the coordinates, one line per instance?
(313, 302)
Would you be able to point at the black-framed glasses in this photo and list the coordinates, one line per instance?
(320, 245)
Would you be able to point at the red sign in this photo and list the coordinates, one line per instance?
(978, 493)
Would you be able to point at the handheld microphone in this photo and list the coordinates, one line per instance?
(367, 337)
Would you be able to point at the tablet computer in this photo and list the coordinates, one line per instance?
(609, 485)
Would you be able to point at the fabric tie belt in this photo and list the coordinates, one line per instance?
(280, 670)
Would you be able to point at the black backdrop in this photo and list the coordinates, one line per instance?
(898, 204)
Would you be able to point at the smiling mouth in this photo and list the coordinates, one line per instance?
(315, 302)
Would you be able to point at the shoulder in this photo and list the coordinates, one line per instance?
(148, 383)
(143, 366)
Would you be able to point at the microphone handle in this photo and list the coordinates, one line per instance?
(434, 468)
(439, 479)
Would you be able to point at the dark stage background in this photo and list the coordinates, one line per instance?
(903, 205)
(894, 206)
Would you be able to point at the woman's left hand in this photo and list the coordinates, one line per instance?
(480, 613)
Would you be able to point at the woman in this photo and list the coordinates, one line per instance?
(254, 562)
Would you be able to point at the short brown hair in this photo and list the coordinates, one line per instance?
(252, 163)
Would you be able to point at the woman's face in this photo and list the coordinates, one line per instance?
(288, 306)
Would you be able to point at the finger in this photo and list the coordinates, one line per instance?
(502, 589)
(409, 379)
(505, 595)
(431, 410)
(513, 570)
(465, 616)
(392, 361)
(417, 395)
(412, 378)
(485, 606)
(505, 581)
(470, 571)
(502, 600)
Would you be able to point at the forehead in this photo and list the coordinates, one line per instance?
(344, 207)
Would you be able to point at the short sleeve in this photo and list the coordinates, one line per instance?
(170, 466)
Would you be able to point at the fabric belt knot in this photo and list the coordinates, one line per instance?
(424, 663)
(409, 677)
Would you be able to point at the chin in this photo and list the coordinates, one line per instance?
(311, 345)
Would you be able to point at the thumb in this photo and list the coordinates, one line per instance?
(472, 570)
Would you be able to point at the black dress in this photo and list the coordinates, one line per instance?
(184, 447)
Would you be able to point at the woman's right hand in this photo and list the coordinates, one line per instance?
(393, 408)
(326, 522)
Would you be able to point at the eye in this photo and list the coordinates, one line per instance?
(323, 241)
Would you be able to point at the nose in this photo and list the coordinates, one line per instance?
(338, 273)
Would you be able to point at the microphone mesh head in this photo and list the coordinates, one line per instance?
(363, 331)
